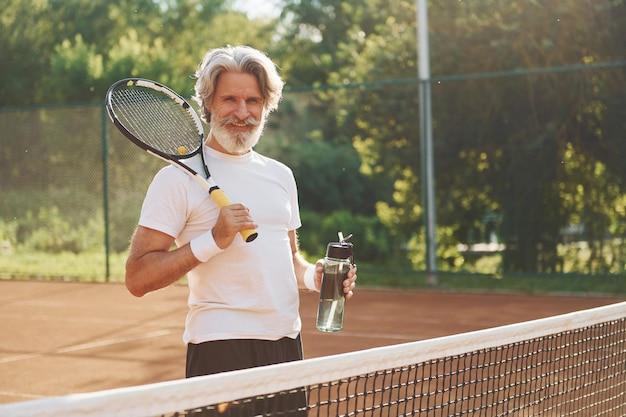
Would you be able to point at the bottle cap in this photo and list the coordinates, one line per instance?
(339, 250)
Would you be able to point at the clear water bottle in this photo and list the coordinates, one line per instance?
(332, 298)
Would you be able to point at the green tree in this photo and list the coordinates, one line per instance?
(516, 143)
(370, 43)
(76, 68)
(72, 50)
(501, 142)
(24, 38)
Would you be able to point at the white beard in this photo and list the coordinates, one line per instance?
(237, 142)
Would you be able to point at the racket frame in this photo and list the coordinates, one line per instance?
(208, 183)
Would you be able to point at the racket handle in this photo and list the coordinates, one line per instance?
(249, 235)
(221, 199)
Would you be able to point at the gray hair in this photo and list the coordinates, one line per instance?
(237, 59)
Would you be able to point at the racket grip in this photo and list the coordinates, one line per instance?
(221, 199)
(249, 235)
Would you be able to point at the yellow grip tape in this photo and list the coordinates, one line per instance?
(222, 200)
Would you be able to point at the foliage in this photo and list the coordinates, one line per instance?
(41, 222)
(372, 243)
(72, 50)
(510, 156)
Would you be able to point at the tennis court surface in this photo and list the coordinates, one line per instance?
(61, 338)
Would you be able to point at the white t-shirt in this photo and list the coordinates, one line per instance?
(249, 290)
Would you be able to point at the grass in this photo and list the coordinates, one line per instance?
(61, 266)
(91, 267)
(525, 283)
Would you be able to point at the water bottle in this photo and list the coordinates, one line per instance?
(332, 298)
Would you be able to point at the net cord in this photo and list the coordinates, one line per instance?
(165, 397)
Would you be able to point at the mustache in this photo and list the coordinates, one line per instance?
(250, 121)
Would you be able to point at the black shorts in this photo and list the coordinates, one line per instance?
(229, 355)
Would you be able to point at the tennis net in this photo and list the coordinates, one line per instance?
(567, 365)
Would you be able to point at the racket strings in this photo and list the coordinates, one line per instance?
(156, 119)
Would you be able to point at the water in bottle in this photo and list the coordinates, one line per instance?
(332, 298)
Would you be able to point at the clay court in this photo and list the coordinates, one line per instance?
(63, 337)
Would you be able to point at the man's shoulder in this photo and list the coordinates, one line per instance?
(271, 162)
(173, 172)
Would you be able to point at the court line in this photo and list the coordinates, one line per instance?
(22, 395)
(91, 345)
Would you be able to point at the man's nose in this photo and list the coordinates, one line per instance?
(242, 111)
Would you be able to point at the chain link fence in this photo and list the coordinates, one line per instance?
(72, 186)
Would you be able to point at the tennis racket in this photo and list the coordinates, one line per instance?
(161, 122)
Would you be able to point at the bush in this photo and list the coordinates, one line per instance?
(371, 239)
(54, 221)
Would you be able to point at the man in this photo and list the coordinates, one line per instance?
(243, 300)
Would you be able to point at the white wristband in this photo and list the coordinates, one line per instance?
(309, 278)
(204, 247)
